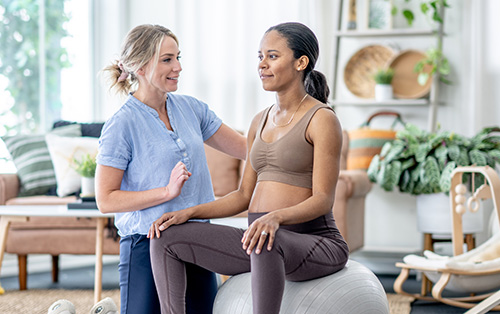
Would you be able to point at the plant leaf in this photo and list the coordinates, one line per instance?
(422, 78)
(454, 152)
(394, 152)
(404, 181)
(441, 154)
(463, 158)
(445, 180)
(422, 151)
(408, 16)
(419, 66)
(430, 174)
(444, 67)
(424, 8)
(394, 10)
(478, 157)
(494, 154)
(373, 168)
(385, 148)
(407, 164)
(383, 177)
(394, 174)
(436, 17)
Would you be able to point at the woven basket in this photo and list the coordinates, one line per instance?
(359, 70)
(365, 142)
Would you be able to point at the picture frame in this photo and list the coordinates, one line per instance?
(379, 14)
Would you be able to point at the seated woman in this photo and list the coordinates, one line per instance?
(288, 188)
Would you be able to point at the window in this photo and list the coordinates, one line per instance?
(44, 64)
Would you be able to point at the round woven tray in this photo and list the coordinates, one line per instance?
(359, 70)
(405, 81)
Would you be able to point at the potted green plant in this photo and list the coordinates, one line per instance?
(85, 167)
(420, 162)
(383, 87)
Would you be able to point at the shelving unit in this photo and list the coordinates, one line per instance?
(393, 102)
(431, 102)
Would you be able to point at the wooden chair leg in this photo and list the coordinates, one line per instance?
(470, 240)
(426, 283)
(55, 268)
(23, 271)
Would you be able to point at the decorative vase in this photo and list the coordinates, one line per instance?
(434, 215)
(88, 187)
(383, 92)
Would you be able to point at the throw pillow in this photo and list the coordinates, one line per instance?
(88, 129)
(63, 150)
(33, 162)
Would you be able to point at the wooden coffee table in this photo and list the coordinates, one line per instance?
(22, 213)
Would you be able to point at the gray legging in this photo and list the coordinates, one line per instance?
(300, 252)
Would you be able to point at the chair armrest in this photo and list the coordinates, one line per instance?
(9, 186)
(356, 181)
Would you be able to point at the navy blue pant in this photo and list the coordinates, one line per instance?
(137, 288)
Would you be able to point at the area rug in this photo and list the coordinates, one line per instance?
(35, 301)
(399, 304)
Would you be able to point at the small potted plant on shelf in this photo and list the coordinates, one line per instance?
(383, 87)
(420, 162)
(85, 167)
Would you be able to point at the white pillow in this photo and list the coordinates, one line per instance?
(63, 150)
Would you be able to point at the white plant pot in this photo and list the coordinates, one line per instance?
(434, 215)
(88, 187)
(383, 92)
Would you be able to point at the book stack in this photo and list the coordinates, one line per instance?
(84, 203)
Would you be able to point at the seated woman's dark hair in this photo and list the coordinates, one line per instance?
(302, 41)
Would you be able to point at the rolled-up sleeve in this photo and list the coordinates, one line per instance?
(210, 122)
(114, 146)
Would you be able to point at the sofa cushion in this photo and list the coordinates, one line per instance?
(63, 151)
(224, 170)
(88, 129)
(59, 241)
(41, 200)
(33, 162)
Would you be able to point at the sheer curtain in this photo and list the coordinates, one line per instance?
(219, 41)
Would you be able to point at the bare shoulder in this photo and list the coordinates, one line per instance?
(325, 123)
(255, 124)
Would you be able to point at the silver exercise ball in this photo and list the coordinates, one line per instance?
(354, 289)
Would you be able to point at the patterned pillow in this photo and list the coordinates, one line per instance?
(63, 150)
(32, 160)
(88, 129)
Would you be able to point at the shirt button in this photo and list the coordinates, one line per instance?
(178, 140)
(185, 154)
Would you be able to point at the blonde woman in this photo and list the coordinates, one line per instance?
(152, 161)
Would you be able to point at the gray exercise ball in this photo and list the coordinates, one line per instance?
(354, 289)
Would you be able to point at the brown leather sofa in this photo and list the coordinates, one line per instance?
(57, 236)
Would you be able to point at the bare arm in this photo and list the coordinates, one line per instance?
(111, 199)
(229, 205)
(229, 141)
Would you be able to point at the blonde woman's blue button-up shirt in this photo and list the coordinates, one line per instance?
(135, 140)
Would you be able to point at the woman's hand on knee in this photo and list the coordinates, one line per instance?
(165, 221)
(258, 232)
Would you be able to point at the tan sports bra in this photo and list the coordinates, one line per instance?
(290, 158)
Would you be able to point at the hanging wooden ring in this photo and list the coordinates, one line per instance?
(473, 200)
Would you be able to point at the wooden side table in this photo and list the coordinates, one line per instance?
(11, 213)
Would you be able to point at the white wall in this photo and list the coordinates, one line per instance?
(471, 45)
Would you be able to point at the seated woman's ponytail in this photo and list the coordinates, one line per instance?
(316, 86)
